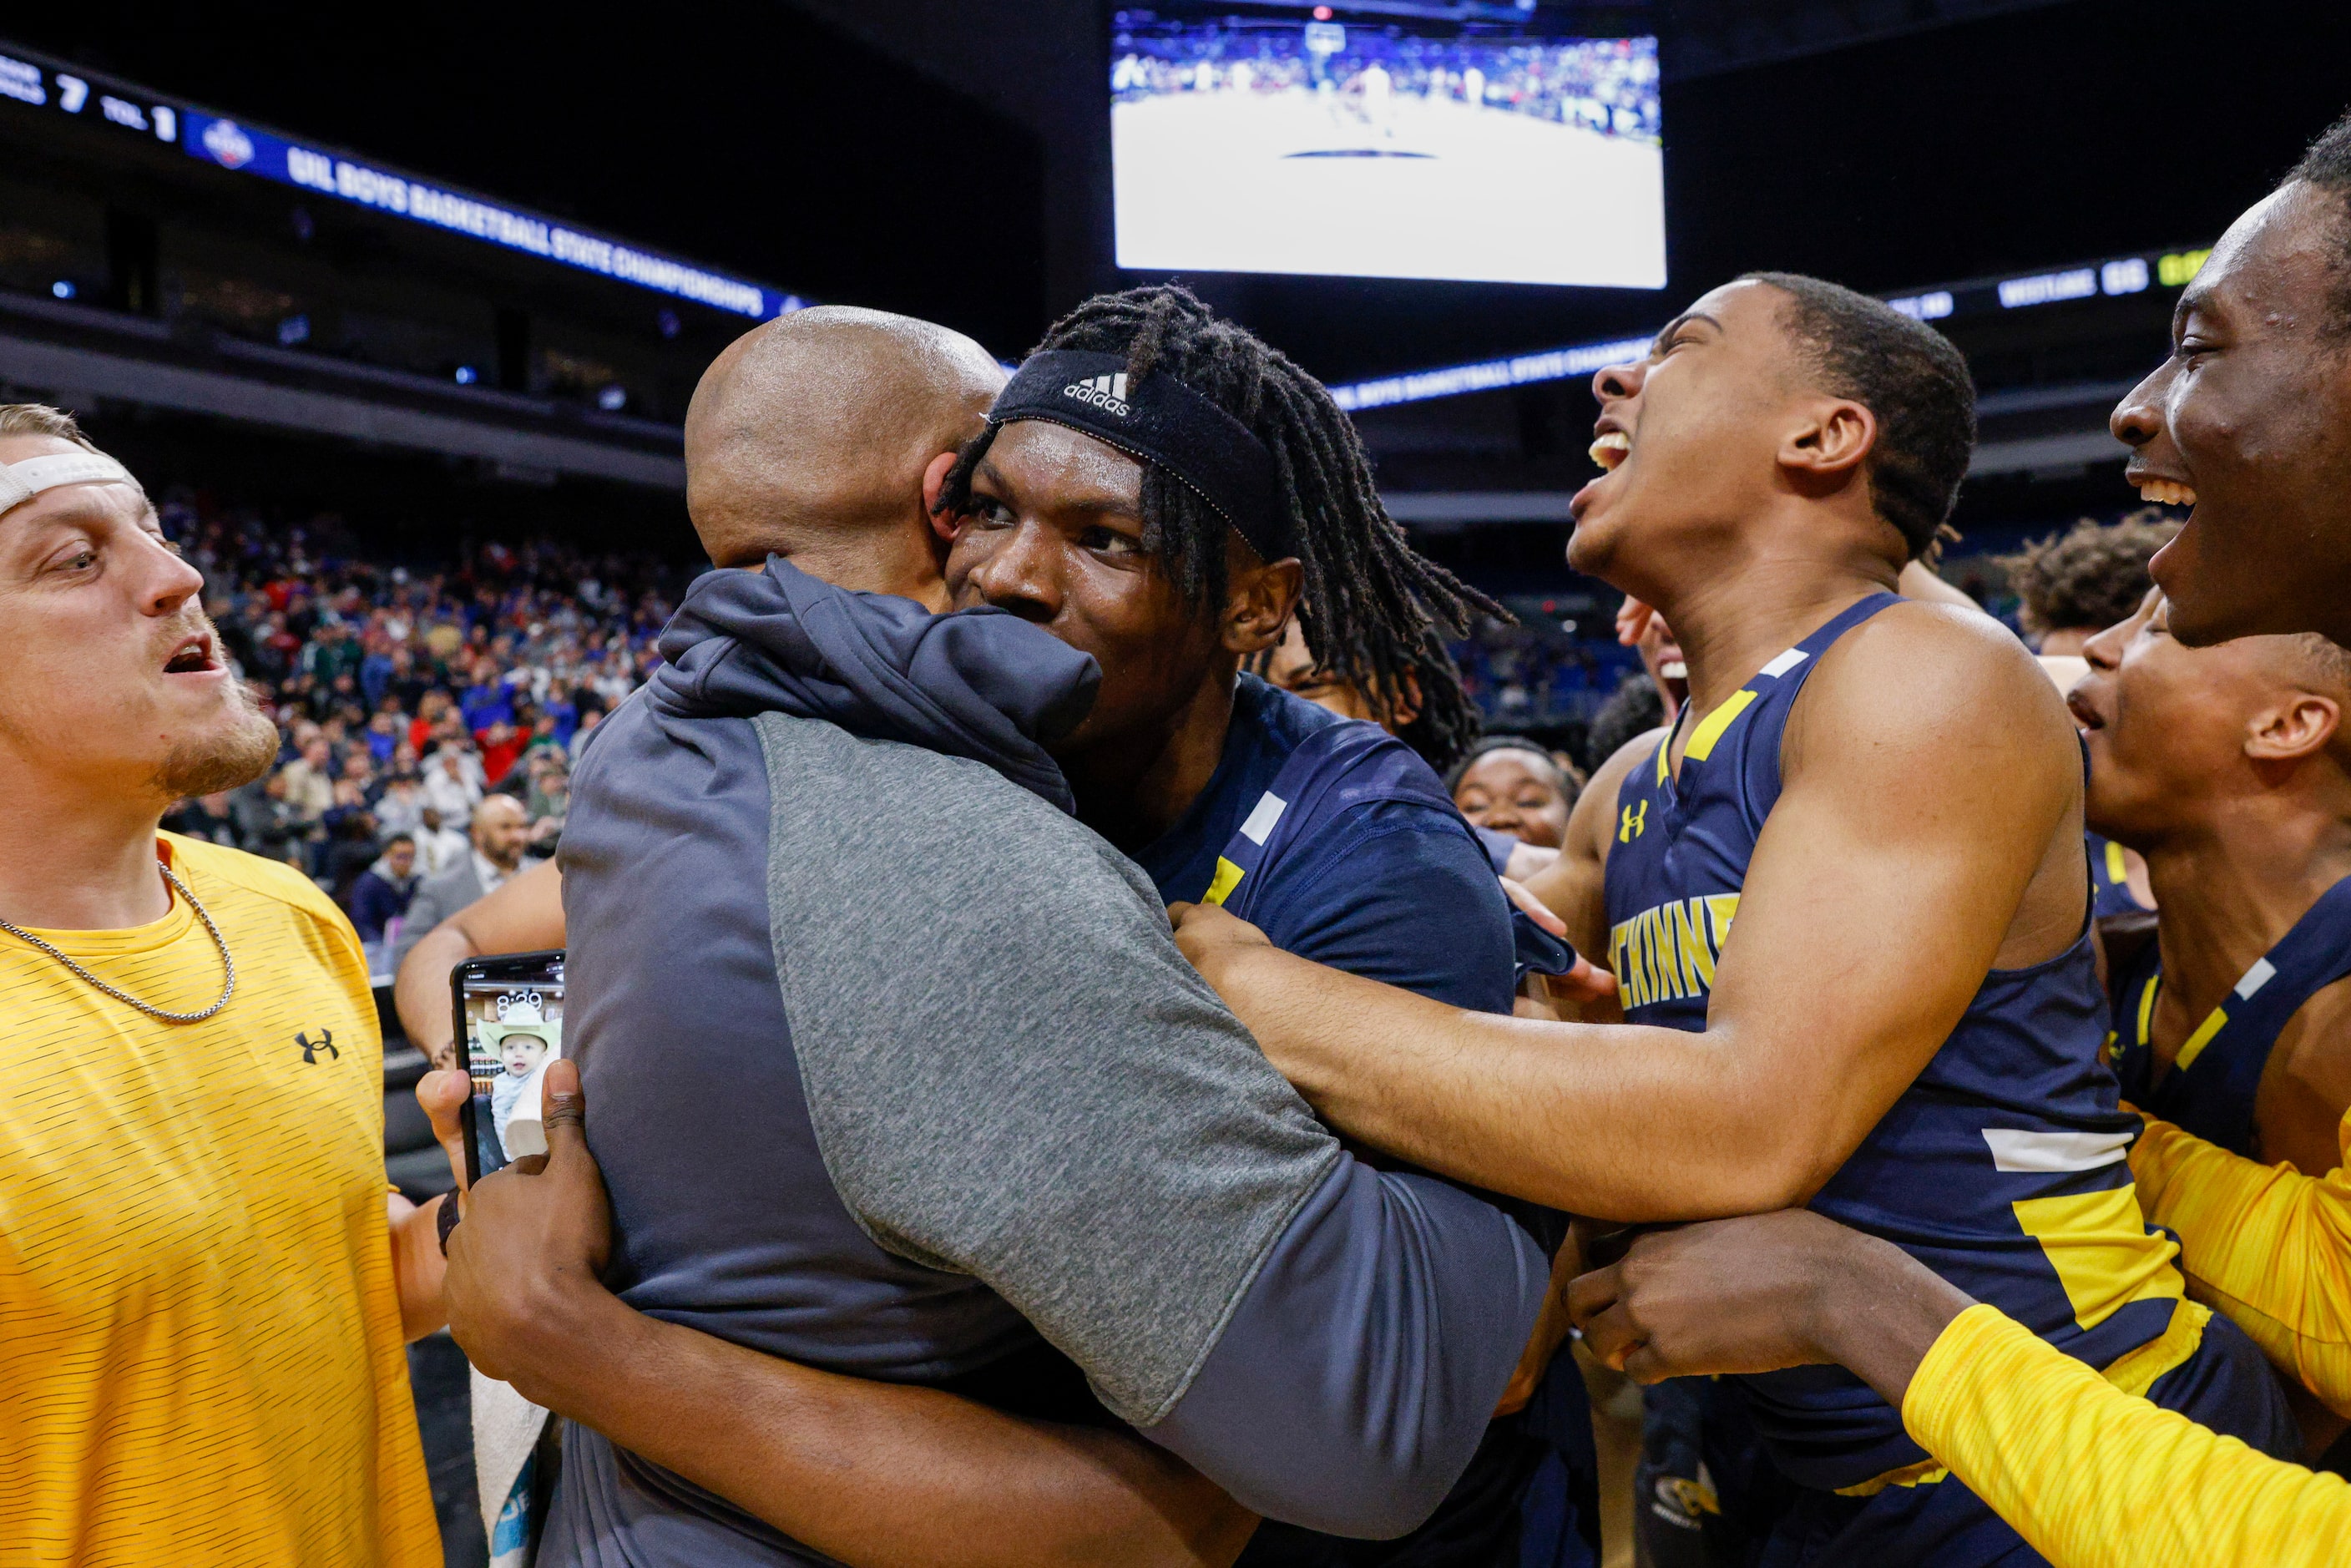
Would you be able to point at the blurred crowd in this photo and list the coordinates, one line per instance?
(1608, 86)
(427, 716)
(1538, 675)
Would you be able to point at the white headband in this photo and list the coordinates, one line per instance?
(20, 482)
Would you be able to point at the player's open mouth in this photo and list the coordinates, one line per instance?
(2164, 491)
(194, 656)
(1610, 447)
(1674, 669)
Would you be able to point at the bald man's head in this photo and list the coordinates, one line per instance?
(809, 437)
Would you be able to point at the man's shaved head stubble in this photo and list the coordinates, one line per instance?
(813, 437)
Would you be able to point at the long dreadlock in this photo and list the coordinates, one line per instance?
(1373, 607)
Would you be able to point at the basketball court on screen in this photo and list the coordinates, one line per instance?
(1383, 186)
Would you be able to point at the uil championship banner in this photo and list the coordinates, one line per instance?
(250, 149)
(36, 82)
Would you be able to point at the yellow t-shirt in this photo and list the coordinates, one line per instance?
(200, 1359)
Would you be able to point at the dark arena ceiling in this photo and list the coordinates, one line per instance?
(948, 157)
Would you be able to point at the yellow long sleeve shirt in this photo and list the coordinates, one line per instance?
(2268, 1246)
(2096, 1478)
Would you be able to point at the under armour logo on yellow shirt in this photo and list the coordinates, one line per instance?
(1637, 822)
(310, 1050)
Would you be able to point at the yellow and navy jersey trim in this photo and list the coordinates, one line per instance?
(1248, 846)
(2002, 1168)
(2213, 1082)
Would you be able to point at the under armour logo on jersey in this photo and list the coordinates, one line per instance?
(1105, 393)
(1636, 822)
(310, 1049)
(1682, 1500)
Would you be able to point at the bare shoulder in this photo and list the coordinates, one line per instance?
(2305, 1087)
(2314, 1048)
(1936, 676)
(1570, 885)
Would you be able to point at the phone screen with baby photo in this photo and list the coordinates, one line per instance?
(510, 1025)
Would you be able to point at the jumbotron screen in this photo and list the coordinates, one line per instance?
(1283, 144)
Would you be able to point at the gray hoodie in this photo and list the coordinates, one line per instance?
(897, 1073)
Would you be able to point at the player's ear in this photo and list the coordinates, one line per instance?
(1260, 601)
(1830, 442)
(1406, 706)
(2299, 726)
(934, 479)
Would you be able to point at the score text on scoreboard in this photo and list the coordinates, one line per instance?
(69, 94)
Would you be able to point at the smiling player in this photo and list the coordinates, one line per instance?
(1903, 1030)
(1157, 487)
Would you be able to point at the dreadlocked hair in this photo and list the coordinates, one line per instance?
(1441, 740)
(1373, 609)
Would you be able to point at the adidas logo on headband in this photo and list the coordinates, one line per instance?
(1157, 419)
(1105, 393)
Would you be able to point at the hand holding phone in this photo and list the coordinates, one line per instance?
(509, 1026)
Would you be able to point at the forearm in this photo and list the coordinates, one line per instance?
(419, 992)
(1618, 1121)
(418, 1268)
(877, 1475)
(2268, 1246)
(2096, 1478)
(1878, 1312)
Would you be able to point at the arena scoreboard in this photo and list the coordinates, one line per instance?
(34, 82)
(1385, 141)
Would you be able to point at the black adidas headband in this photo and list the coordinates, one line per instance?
(1159, 419)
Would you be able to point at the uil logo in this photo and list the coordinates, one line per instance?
(1635, 823)
(310, 1048)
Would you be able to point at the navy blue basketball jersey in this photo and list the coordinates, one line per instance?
(2212, 1083)
(1337, 841)
(2002, 1168)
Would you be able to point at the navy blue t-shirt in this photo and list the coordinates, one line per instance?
(1401, 891)
(1394, 891)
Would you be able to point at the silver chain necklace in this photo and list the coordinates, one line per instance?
(228, 965)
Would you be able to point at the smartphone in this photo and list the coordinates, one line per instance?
(510, 1026)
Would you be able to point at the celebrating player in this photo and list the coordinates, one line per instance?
(2247, 422)
(1904, 1031)
(946, 822)
(1165, 522)
(2230, 769)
